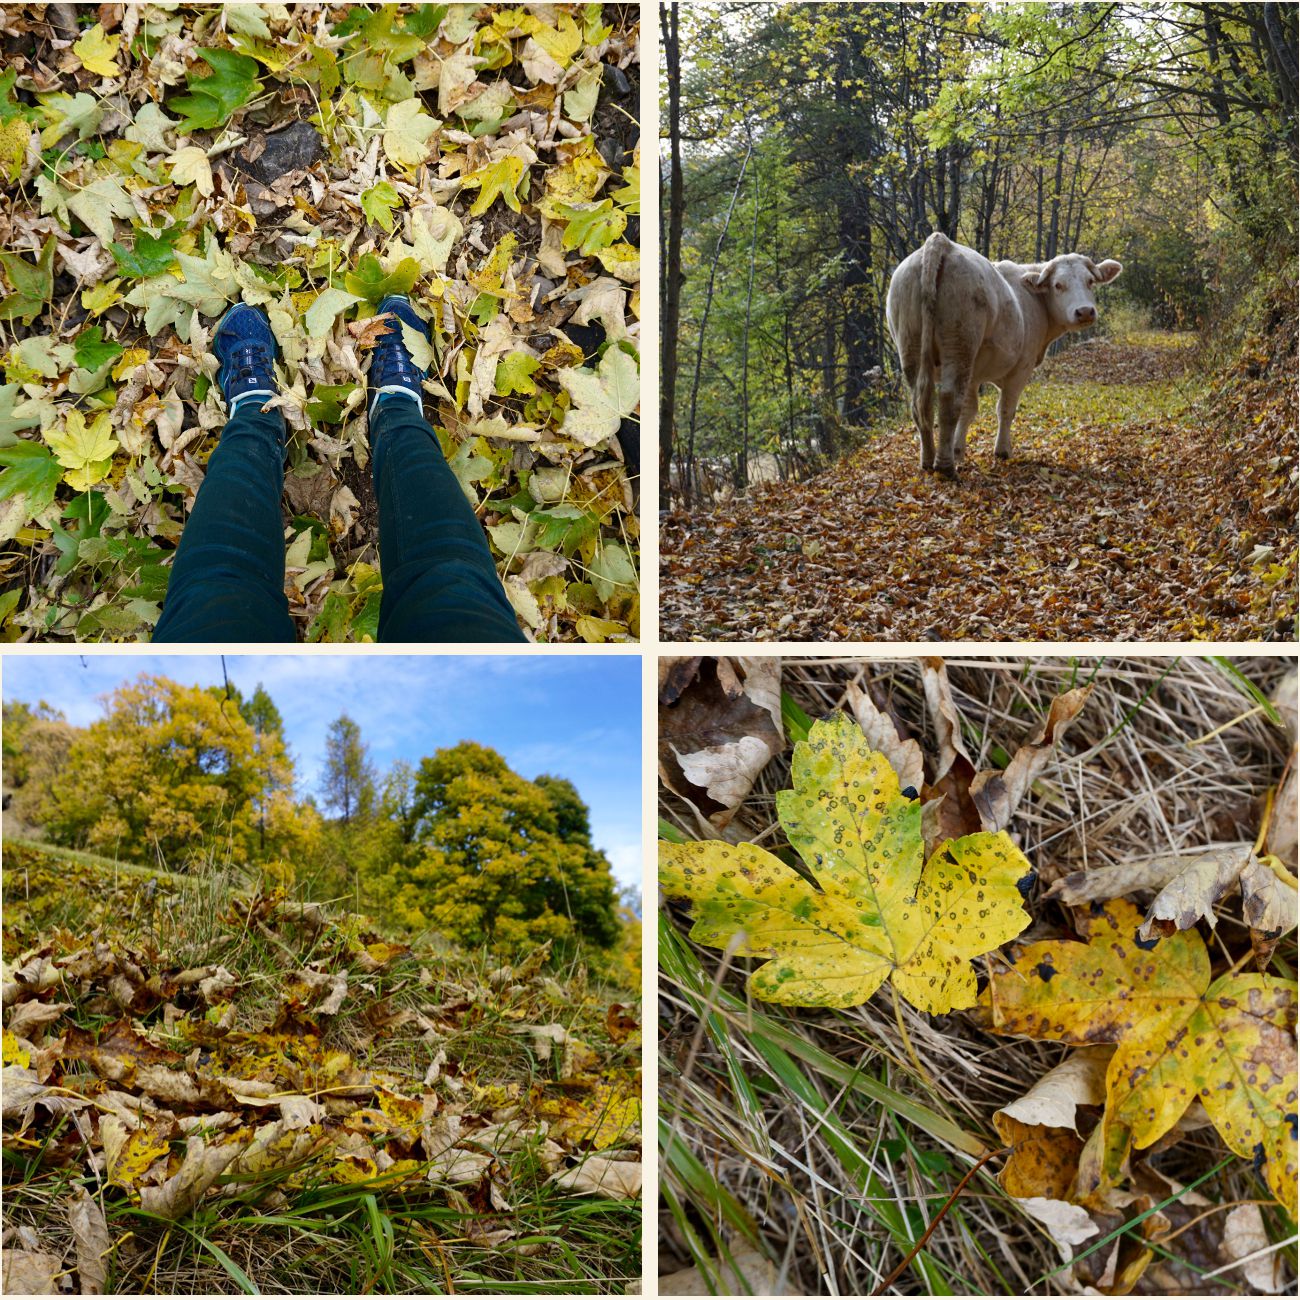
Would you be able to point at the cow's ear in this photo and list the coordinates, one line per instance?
(1109, 270)
(1035, 281)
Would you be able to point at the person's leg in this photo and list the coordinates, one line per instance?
(227, 581)
(440, 583)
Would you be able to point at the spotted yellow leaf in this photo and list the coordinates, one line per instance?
(1230, 1042)
(879, 911)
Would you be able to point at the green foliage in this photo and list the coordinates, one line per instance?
(370, 282)
(33, 283)
(497, 860)
(214, 98)
(348, 785)
(168, 768)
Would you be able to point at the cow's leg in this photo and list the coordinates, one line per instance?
(1008, 400)
(954, 383)
(967, 418)
(922, 387)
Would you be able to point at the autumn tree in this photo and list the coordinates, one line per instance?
(168, 770)
(348, 786)
(36, 743)
(499, 860)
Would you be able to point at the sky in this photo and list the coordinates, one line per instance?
(576, 716)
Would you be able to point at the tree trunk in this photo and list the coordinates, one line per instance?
(744, 356)
(671, 256)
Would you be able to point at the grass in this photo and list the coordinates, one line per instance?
(805, 1143)
(388, 1219)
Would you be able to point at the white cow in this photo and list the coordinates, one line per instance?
(964, 321)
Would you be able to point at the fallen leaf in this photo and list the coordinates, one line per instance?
(92, 1241)
(1178, 1035)
(719, 726)
(878, 913)
(619, 1180)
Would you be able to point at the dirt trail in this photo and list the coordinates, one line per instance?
(1130, 511)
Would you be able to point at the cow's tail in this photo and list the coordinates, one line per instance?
(933, 253)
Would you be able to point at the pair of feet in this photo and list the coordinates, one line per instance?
(245, 350)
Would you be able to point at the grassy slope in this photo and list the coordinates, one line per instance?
(508, 1110)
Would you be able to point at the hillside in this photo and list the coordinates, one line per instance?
(212, 1087)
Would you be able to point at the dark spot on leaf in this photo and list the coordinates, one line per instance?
(1145, 944)
(1045, 970)
(1290, 1119)
(910, 792)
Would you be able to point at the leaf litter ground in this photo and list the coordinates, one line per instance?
(1136, 507)
(161, 164)
(232, 1088)
(819, 1145)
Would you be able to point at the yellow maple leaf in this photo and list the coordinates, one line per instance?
(879, 911)
(97, 52)
(85, 451)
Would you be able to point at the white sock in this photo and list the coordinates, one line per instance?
(394, 388)
(261, 396)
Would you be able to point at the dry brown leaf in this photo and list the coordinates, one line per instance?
(27, 1016)
(619, 1180)
(202, 1166)
(1244, 1235)
(1080, 1080)
(1067, 1225)
(90, 1236)
(904, 756)
(743, 1271)
(719, 727)
(997, 795)
(30, 1272)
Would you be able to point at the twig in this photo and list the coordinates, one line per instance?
(938, 1218)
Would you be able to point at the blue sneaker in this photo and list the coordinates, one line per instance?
(391, 368)
(245, 349)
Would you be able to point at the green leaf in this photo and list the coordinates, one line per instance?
(32, 471)
(378, 203)
(592, 226)
(212, 99)
(612, 572)
(33, 283)
(515, 374)
(328, 402)
(368, 281)
(425, 20)
(152, 254)
(93, 350)
(563, 529)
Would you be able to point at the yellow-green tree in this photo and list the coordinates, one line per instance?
(169, 772)
(498, 860)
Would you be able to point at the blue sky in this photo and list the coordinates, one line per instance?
(576, 716)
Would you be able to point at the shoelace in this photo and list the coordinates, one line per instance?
(249, 361)
(392, 363)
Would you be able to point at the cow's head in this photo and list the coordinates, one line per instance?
(1066, 284)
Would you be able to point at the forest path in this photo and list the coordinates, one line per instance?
(1124, 514)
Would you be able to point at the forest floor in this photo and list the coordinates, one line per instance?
(1145, 500)
(334, 155)
(812, 1151)
(212, 1087)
